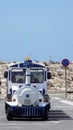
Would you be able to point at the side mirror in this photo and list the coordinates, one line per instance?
(49, 75)
(5, 74)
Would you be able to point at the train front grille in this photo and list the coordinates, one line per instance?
(28, 111)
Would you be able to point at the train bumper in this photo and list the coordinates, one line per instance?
(28, 111)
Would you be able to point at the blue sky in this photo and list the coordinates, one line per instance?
(40, 28)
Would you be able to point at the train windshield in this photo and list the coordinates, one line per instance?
(36, 76)
(18, 75)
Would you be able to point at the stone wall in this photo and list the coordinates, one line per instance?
(58, 76)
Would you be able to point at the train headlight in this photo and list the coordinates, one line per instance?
(9, 97)
(46, 98)
(40, 100)
(14, 100)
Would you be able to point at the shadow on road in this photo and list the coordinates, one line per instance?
(55, 115)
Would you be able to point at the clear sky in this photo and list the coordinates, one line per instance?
(42, 29)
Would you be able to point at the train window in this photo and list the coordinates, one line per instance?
(18, 76)
(36, 76)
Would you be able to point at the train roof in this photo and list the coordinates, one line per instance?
(27, 64)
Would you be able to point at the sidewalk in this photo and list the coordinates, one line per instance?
(2, 92)
(60, 94)
(2, 96)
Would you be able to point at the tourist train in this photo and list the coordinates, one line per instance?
(27, 92)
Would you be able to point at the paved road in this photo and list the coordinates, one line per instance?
(60, 117)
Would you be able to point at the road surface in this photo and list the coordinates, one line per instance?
(60, 117)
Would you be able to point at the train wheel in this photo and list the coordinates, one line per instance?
(45, 116)
(9, 114)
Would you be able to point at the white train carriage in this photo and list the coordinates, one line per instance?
(27, 90)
